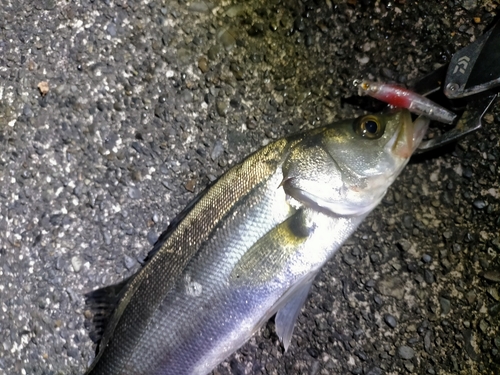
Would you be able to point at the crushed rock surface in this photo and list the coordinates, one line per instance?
(115, 114)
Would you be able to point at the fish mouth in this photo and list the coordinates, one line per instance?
(409, 136)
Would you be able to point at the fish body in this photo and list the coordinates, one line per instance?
(249, 247)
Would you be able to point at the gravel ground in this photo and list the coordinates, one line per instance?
(149, 101)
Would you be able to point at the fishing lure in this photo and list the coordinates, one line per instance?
(403, 98)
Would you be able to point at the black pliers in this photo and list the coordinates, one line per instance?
(468, 86)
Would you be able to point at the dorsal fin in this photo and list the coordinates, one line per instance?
(174, 224)
(102, 302)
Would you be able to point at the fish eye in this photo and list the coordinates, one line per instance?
(369, 127)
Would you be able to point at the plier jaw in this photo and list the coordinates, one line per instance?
(468, 121)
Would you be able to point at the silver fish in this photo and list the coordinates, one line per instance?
(249, 247)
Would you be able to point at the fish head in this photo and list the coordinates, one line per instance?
(346, 168)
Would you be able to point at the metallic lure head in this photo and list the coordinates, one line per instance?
(345, 168)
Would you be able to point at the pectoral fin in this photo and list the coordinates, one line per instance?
(267, 257)
(287, 316)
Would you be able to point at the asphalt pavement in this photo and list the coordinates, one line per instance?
(115, 114)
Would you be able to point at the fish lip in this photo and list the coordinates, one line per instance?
(409, 136)
(420, 126)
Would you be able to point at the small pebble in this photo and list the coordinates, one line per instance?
(27, 111)
(377, 300)
(492, 276)
(409, 366)
(393, 287)
(375, 371)
(129, 262)
(237, 71)
(348, 259)
(404, 245)
(187, 96)
(479, 204)
(111, 29)
(221, 106)
(390, 320)
(445, 305)
(493, 292)
(76, 263)
(155, 218)
(427, 342)
(429, 277)
(227, 40)
(190, 185)
(471, 297)
(152, 237)
(73, 352)
(406, 352)
(496, 340)
(469, 4)
(200, 6)
(73, 296)
(217, 151)
(134, 192)
(235, 10)
(213, 53)
(203, 64)
(483, 326)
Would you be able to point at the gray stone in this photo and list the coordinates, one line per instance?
(187, 96)
(469, 4)
(409, 366)
(469, 348)
(445, 305)
(129, 262)
(152, 237)
(496, 341)
(200, 6)
(76, 263)
(427, 341)
(406, 352)
(479, 204)
(217, 151)
(429, 277)
(134, 192)
(222, 107)
(348, 259)
(392, 287)
(111, 29)
(390, 320)
(492, 276)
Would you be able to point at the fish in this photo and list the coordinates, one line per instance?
(249, 247)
